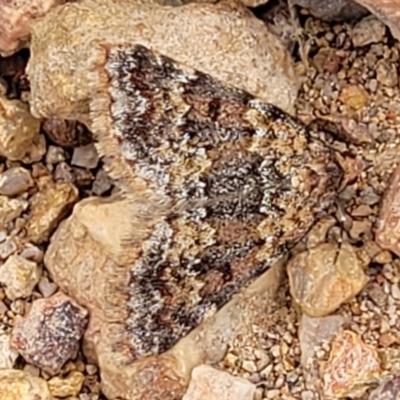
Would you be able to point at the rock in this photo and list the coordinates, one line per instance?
(66, 133)
(15, 18)
(49, 335)
(68, 386)
(15, 181)
(368, 30)
(351, 368)
(102, 183)
(36, 151)
(18, 129)
(20, 385)
(389, 389)
(55, 155)
(46, 287)
(32, 253)
(324, 277)
(386, 73)
(47, 208)
(85, 260)
(219, 39)
(314, 332)
(10, 209)
(8, 355)
(212, 384)
(387, 230)
(332, 10)
(85, 157)
(8, 247)
(354, 97)
(387, 11)
(19, 276)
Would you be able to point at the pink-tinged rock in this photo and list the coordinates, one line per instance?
(351, 368)
(49, 335)
(212, 384)
(15, 18)
(387, 233)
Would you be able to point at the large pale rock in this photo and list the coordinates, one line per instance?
(20, 385)
(324, 277)
(224, 40)
(18, 129)
(20, 276)
(47, 208)
(86, 261)
(212, 384)
(49, 334)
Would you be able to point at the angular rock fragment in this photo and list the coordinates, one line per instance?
(15, 181)
(368, 30)
(68, 386)
(387, 232)
(324, 277)
(389, 389)
(10, 209)
(351, 368)
(85, 157)
(49, 335)
(47, 208)
(20, 385)
(18, 129)
(19, 276)
(8, 355)
(212, 384)
(225, 40)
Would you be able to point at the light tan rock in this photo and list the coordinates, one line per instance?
(8, 355)
(212, 384)
(20, 276)
(68, 386)
(47, 208)
(224, 40)
(85, 260)
(18, 129)
(324, 277)
(20, 385)
(10, 209)
(368, 30)
(351, 368)
(15, 181)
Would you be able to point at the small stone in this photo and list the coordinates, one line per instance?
(20, 385)
(368, 30)
(19, 276)
(387, 340)
(273, 393)
(387, 232)
(10, 209)
(15, 181)
(68, 386)
(324, 277)
(46, 287)
(55, 155)
(102, 183)
(351, 367)
(49, 335)
(7, 248)
(383, 257)
(66, 133)
(32, 253)
(389, 389)
(211, 384)
(8, 355)
(18, 129)
(386, 73)
(354, 96)
(91, 369)
(249, 366)
(361, 229)
(48, 207)
(36, 151)
(85, 157)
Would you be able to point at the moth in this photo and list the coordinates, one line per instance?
(222, 185)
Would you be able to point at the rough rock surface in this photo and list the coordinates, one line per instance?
(68, 386)
(217, 39)
(20, 276)
(14, 181)
(47, 208)
(10, 209)
(20, 385)
(18, 129)
(212, 384)
(8, 355)
(49, 334)
(324, 277)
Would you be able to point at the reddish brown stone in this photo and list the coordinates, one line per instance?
(49, 335)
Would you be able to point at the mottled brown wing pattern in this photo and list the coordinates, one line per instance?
(245, 180)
